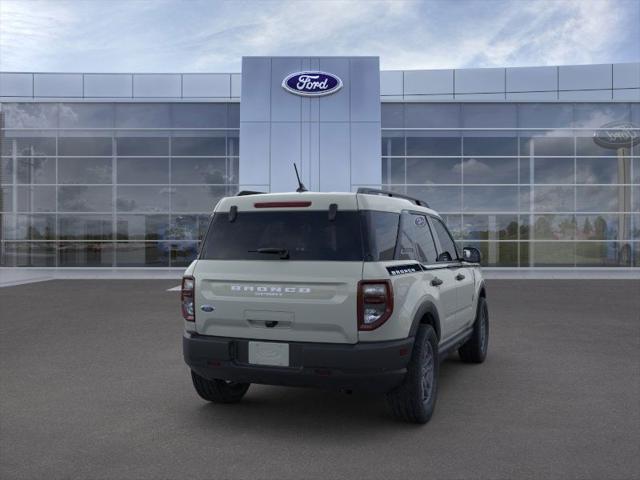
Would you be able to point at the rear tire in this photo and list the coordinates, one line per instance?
(415, 400)
(219, 391)
(474, 350)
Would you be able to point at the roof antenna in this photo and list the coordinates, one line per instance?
(301, 187)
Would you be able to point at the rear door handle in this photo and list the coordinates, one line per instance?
(460, 277)
(436, 282)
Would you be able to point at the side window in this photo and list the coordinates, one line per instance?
(448, 246)
(415, 241)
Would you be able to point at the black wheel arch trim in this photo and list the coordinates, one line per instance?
(427, 307)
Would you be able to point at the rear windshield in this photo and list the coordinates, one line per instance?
(308, 235)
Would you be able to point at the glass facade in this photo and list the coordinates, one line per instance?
(525, 183)
(119, 184)
(112, 184)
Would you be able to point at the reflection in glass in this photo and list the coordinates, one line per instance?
(143, 115)
(34, 254)
(553, 170)
(485, 115)
(197, 199)
(29, 227)
(36, 170)
(604, 254)
(198, 146)
(393, 170)
(86, 115)
(602, 226)
(143, 170)
(603, 170)
(85, 227)
(30, 115)
(490, 170)
(149, 254)
(598, 114)
(199, 170)
(496, 254)
(603, 198)
(143, 146)
(93, 146)
(434, 170)
(199, 115)
(554, 227)
(84, 198)
(454, 224)
(430, 115)
(490, 227)
(432, 146)
(143, 199)
(545, 115)
(6, 199)
(490, 199)
(71, 254)
(29, 146)
(546, 146)
(553, 199)
(84, 170)
(392, 144)
(6, 170)
(551, 254)
(587, 147)
(442, 199)
(143, 227)
(188, 227)
(392, 115)
(36, 199)
(490, 146)
(183, 253)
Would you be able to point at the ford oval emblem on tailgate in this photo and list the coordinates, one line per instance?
(207, 308)
(312, 83)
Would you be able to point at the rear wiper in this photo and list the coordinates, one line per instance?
(283, 252)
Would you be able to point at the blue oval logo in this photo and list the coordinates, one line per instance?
(312, 83)
(207, 308)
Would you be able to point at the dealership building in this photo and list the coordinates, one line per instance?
(537, 167)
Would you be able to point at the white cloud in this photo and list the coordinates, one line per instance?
(172, 35)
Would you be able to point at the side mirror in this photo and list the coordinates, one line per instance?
(471, 255)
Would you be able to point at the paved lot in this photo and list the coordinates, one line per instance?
(93, 386)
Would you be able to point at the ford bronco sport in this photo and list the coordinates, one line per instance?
(352, 291)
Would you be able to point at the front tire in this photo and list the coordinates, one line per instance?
(415, 400)
(474, 350)
(219, 391)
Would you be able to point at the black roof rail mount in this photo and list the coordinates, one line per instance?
(248, 192)
(386, 193)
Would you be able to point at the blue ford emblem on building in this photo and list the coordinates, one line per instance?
(312, 83)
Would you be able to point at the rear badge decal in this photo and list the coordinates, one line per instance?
(207, 308)
(403, 269)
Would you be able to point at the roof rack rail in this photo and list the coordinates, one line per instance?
(248, 192)
(386, 193)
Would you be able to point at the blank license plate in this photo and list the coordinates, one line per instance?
(269, 353)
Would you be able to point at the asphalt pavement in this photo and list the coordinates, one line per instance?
(93, 386)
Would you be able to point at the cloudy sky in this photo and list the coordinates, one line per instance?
(212, 36)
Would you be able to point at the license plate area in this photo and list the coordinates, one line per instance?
(269, 353)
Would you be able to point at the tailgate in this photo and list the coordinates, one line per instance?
(298, 301)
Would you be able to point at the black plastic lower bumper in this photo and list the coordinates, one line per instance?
(371, 367)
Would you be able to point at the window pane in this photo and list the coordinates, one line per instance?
(72, 254)
(197, 199)
(143, 115)
(142, 146)
(554, 227)
(36, 254)
(489, 146)
(454, 224)
(28, 227)
(484, 115)
(553, 199)
(199, 170)
(433, 146)
(29, 146)
(30, 115)
(79, 146)
(496, 254)
(142, 254)
(36, 170)
(85, 227)
(603, 254)
(551, 254)
(6, 170)
(553, 170)
(434, 170)
(143, 227)
(442, 199)
(601, 198)
(545, 115)
(233, 115)
(392, 144)
(416, 242)
(426, 115)
(604, 226)
(200, 146)
(490, 227)
(143, 199)
(636, 170)
(603, 170)
(393, 170)
(447, 245)
(381, 231)
(84, 170)
(143, 170)
(490, 170)
(86, 115)
(542, 146)
(490, 199)
(392, 115)
(183, 253)
(199, 115)
(587, 146)
(84, 199)
(188, 227)
(6, 199)
(36, 199)
(598, 114)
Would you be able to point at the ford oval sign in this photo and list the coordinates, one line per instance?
(617, 135)
(312, 83)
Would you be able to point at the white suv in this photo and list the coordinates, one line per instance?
(353, 291)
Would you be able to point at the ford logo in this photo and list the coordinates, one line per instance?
(617, 135)
(312, 83)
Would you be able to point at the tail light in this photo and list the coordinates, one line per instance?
(375, 303)
(187, 298)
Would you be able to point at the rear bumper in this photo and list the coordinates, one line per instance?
(370, 367)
